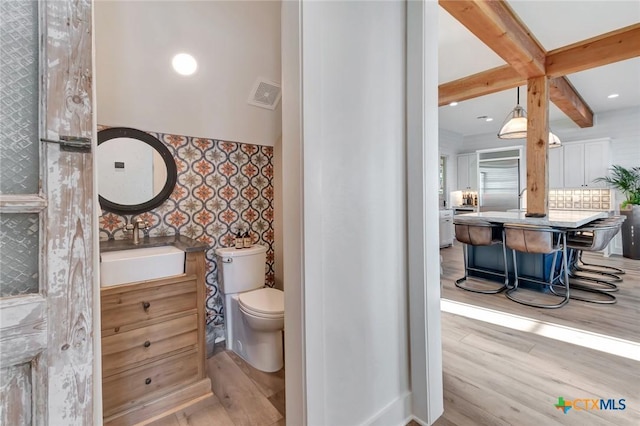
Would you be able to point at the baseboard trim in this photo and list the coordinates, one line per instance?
(394, 413)
(415, 419)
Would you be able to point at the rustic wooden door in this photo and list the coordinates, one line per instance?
(46, 214)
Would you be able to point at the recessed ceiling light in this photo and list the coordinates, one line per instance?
(184, 64)
(488, 119)
(484, 117)
(613, 95)
(454, 103)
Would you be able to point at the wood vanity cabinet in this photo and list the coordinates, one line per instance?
(153, 346)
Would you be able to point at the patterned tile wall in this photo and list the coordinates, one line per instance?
(580, 199)
(222, 186)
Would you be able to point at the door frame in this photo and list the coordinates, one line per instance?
(52, 330)
(422, 196)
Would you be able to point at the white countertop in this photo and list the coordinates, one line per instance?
(556, 218)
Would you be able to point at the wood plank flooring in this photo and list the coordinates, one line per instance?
(492, 375)
(498, 376)
(243, 396)
(621, 320)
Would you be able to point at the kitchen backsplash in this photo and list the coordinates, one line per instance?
(221, 186)
(580, 199)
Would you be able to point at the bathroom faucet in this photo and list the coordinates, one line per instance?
(136, 229)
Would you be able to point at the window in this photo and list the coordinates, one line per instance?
(442, 178)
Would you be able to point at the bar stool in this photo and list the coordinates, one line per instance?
(539, 240)
(584, 236)
(480, 234)
(595, 236)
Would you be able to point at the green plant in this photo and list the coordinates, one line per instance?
(626, 181)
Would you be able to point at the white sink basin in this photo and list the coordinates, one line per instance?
(126, 266)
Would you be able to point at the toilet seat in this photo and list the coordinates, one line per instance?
(264, 303)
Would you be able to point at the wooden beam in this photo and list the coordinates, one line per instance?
(476, 85)
(564, 96)
(594, 52)
(497, 26)
(562, 93)
(537, 147)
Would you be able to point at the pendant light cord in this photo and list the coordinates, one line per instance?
(518, 97)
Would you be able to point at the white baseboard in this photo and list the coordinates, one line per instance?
(417, 420)
(395, 413)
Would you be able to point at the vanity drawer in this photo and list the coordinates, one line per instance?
(133, 387)
(129, 348)
(123, 310)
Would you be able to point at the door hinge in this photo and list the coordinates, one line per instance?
(71, 143)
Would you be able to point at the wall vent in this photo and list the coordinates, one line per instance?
(265, 94)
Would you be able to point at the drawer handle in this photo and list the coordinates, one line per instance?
(147, 344)
(146, 306)
(147, 381)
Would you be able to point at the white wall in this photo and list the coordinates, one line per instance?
(622, 126)
(234, 42)
(354, 232)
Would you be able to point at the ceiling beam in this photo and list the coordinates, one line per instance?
(497, 26)
(564, 96)
(594, 52)
(561, 91)
(476, 85)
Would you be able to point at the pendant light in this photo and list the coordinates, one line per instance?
(554, 141)
(515, 126)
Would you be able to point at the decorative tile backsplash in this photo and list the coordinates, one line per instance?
(580, 199)
(222, 186)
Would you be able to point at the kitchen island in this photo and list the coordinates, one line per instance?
(536, 266)
(555, 219)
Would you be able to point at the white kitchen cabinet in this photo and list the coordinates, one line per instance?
(446, 228)
(585, 161)
(556, 168)
(467, 171)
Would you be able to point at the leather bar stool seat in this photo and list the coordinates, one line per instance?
(539, 240)
(584, 236)
(481, 234)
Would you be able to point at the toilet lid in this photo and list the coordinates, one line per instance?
(264, 301)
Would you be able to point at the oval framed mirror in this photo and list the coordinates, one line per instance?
(136, 171)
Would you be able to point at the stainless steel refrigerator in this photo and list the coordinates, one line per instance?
(499, 184)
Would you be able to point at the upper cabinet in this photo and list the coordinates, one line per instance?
(556, 168)
(584, 162)
(467, 171)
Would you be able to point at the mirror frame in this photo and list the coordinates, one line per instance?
(172, 172)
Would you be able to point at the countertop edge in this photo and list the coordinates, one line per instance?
(571, 219)
(181, 242)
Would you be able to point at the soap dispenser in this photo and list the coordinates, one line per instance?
(247, 239)
(239, 240)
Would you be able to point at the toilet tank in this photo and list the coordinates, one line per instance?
(241, 269)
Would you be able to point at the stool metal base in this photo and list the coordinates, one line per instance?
(599, 297)
(510, 293)
(565, 298)
(459, 282)
(580, 264)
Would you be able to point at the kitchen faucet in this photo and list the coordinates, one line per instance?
(520, 198)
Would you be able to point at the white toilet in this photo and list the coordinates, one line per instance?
(254, 314)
